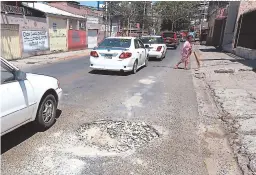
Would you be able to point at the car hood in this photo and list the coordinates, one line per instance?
(42, 80)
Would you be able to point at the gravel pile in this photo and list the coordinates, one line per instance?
(116, 136)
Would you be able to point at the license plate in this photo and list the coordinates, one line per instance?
(108, 56)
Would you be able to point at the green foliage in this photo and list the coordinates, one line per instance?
(175, 11)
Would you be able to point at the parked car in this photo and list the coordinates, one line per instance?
(27, 97)
(125, 54)
(170, 39)
(156, 46)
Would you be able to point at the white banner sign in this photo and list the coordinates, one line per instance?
(92, 20)
(35, 40)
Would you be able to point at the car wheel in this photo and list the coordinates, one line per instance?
(135, 67)
(175, 47)
(47, 112)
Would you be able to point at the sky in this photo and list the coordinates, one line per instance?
(89, 3)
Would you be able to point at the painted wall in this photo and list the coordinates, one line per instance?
(10, 41)
(33, 33)
(76, 39)
(58, 34)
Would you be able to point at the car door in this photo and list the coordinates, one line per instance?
(138, 51)
(143, 52)
(17, 99)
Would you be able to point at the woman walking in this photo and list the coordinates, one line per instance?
(185, 52)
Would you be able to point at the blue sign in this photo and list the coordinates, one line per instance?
(100, 4)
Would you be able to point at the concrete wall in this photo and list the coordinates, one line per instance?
(230, 25)
(28, 24)
(245, 6)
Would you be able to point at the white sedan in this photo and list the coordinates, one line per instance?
(27, 97)
(155, 44)
(123, 54)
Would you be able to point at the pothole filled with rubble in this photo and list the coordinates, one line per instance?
(116, 136)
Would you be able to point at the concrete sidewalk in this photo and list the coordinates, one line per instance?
(48, 59)
(232, 82)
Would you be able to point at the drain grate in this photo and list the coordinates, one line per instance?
(116, 136)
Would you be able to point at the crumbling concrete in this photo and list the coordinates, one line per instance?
(232, 83)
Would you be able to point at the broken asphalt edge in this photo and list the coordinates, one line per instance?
(229, 122)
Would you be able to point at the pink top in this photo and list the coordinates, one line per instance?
(186, 50)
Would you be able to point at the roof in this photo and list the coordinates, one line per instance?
(51, 10)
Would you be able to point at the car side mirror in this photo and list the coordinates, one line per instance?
(146, 46)
(19, 75)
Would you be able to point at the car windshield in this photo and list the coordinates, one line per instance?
(152, 40)
(116, 42)
(170, 35)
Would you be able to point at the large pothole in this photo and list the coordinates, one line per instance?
(116, 136)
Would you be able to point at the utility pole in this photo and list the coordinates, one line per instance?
(144, 11)
(152, 19)
(109, 19)
(106, 16)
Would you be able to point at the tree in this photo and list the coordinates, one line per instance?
(129, 12)
(174, 11)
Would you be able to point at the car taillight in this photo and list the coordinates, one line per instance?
(125, 55)
(159, 48)
(94, 54)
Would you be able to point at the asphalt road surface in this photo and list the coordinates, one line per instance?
(158, 96)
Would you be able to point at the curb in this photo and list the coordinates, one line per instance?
(73, 56)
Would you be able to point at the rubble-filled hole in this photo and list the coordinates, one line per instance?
(116, 136)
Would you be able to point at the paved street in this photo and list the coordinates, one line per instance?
(157, 95)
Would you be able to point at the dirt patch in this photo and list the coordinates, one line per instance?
(116, 136)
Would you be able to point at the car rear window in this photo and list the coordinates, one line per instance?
(152, 40)
(116, 42)
(170, 35)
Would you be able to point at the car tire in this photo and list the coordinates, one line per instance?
(175, 47)
(46, 113)
(135, 67)
(164, 55)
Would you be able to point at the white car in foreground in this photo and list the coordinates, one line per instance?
(27, 97)
(123, 54)
(155, 44)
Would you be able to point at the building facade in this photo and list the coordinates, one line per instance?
(24, 31)
(244, 40)
(94, 23)
(233, 28)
